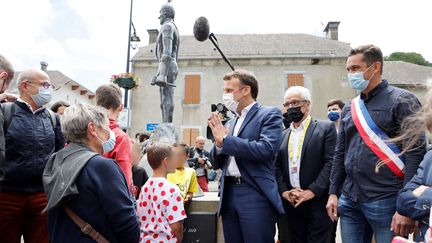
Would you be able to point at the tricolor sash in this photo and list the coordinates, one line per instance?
(376, 139)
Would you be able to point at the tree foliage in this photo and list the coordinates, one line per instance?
(411, 57)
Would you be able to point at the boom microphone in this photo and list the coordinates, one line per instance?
(201, 29)
(201, 32)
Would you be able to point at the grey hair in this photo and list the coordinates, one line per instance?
(304, 93)
(30, 75)
(76, 118)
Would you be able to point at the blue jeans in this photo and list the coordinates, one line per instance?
(359, 221)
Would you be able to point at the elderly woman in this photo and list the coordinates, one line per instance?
(88, 199)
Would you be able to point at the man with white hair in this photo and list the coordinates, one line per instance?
(303, 167)
(32, 135)
(199, 159)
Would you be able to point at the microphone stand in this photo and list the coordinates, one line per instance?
(213, 39)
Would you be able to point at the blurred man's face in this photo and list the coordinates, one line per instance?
(200, 144)
(181, 157)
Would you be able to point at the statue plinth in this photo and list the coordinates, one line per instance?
(164, 132)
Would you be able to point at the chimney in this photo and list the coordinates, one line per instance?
(44, 66)
(153, 34)
(331, 30)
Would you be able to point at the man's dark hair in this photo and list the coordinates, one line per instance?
(338, 102)
(246, 78)
(59, 104)
(158, 151)
(371, 54)
(144, 136)
(184, 146)
(109, 96)
(6, 66)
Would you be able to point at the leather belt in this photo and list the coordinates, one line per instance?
(236, 180)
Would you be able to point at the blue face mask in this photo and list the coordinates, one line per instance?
(108, 145)
(333, 115)
(357, 80)
(43, 96)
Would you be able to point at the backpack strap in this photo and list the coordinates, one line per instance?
(52, 117)
(8, 110)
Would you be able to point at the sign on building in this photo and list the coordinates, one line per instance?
(151, 127)
(123, 119)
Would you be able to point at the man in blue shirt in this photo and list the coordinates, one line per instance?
(368, 192)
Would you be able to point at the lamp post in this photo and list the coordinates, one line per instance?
(131, 38)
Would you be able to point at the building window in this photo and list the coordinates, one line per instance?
(190, 135)
(192, 89)
(295, 79)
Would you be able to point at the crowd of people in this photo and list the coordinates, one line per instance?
(70, 174)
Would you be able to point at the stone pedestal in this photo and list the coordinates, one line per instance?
(165, 132)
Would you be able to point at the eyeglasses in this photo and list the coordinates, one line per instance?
(44, 84)
(294, 103)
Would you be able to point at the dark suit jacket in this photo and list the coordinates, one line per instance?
(254, 149)
(316, 159)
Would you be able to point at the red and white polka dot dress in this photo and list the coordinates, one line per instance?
(159, 205)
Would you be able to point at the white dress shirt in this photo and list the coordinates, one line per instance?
(296, 134)
(233, 169)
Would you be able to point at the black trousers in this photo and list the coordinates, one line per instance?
(308, 223)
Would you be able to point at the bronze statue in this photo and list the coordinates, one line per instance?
(167, 45)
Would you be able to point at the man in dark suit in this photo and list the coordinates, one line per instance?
(303, 166)
(245, 150)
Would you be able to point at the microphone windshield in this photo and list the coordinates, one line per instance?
(201, 29)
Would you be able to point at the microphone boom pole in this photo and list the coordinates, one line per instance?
(213, 39)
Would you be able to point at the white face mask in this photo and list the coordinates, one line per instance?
(229, 102)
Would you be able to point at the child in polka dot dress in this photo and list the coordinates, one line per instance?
(160, 205)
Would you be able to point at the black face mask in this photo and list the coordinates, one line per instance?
(286, 120)
(295, 114)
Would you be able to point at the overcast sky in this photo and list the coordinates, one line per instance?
(87, 39)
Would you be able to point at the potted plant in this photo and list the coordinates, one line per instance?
(126, 80)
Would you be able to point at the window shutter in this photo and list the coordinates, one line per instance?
(192, 89)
